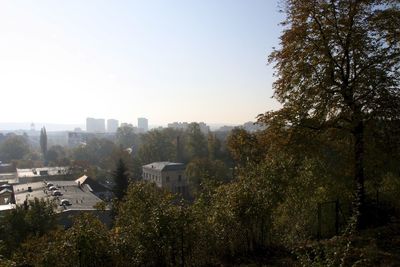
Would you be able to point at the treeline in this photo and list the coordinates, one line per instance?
(206, 155)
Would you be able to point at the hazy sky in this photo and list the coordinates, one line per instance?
(203, 60)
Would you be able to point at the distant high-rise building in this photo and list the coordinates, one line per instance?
(112, 125)
(143, 124)
(95, 125)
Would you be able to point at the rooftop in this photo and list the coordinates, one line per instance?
(7, 168)
(165, 166)
(48, 171)
(81, 198)
(7, 207)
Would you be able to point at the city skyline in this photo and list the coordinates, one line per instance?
(175, 61)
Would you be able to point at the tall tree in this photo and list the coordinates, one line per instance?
(14, 147)
(244, 147)
(197, 143)
(121, 180)
(157, 145)
(126, 136)
(43, 142)
(338, 67)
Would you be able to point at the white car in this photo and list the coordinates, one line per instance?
(52, 188)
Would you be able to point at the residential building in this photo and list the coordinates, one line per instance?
(6, 194)
(45, 173)
(143, 124)
(95, 125)
(94, 187)
(167, 175)
(8, 173)
(112, 125)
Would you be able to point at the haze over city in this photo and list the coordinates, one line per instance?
(165, 60)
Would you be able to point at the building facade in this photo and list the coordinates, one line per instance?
(95, 125)
(112, 125)
(143, 124)
(168, 175)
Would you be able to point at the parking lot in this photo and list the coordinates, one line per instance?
(80, 198)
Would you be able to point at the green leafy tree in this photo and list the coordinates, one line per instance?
(57, 155)
(14, 147)
(35, 218)
(244, 147)
(127, 137)
(150, 229)
(196, 143)
(157, 145)
(214, 147)
(86, 243)
(199, 171)
(338, 67)
(97, 151)
(121, 180)
(239, 215)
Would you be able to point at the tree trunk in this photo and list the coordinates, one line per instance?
(359, 172)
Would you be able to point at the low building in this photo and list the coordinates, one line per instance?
(47, 173)
(6, 194)
(71, 198)
(168, 175)
(94, 187)
(8, 173)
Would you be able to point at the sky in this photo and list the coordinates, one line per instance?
(166, 60)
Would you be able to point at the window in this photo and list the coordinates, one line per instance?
(167, 179)
(179, 178)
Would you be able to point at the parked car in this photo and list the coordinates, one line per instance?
(64, 202)
(52, 188)
(49, 185)
(57, 193)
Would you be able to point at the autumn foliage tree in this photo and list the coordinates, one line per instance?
(338, 68)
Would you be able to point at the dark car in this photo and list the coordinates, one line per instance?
(57, 193)
(65, 202)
